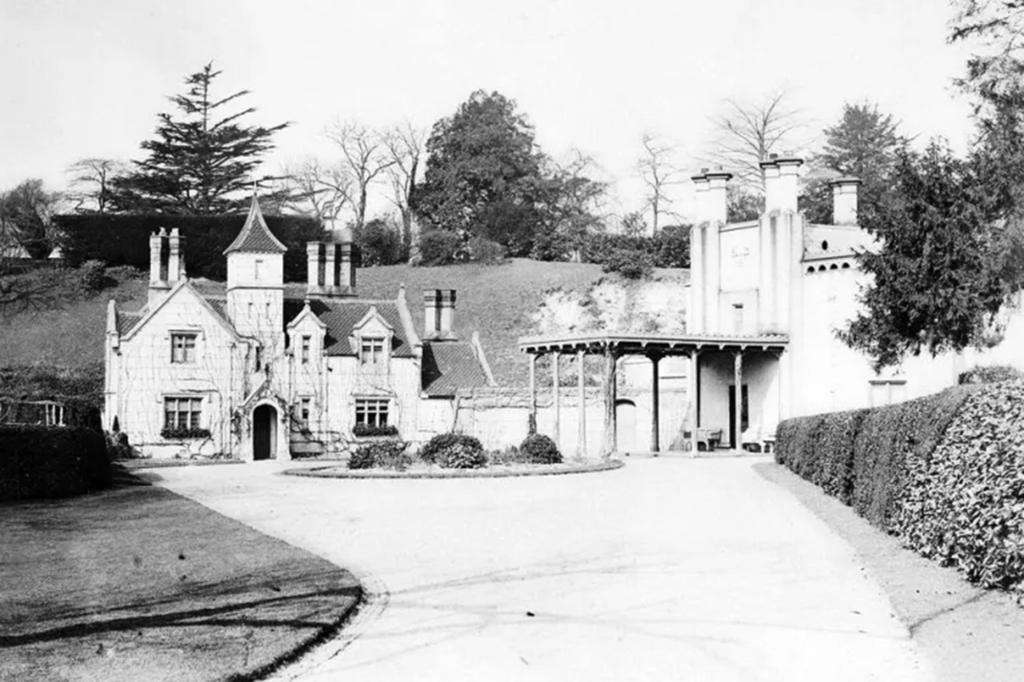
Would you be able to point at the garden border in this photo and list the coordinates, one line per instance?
(336, 471)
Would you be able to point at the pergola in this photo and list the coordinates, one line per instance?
(653, 346)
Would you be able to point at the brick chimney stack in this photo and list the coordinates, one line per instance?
(844, 201)
(780, 182)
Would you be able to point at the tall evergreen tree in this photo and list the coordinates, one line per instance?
(202, 159)
(864, 144)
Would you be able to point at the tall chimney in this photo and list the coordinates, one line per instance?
(447, 317)
(431, 313)
(347, 269)
(176, 257)
(780, 183)
(156, 246)
(330, 268)
(313, 267)
(716, 201)
(844, 201)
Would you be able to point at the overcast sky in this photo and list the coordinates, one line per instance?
(87, 77)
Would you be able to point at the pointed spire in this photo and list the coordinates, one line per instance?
(255, 236)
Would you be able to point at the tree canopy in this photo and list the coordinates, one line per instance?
(947, 263)
(201, 160)
(484, 174)
(863, 144)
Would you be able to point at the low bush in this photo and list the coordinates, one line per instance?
(118, 446)
(988, 375)
(382, 454)
(40, 461)
(486, 251)
(439, 247)
(183, 433)
(944, 473)
(92, 275)
(539, 449)
(454, 451)
(630, 263)
(510, 455)
(368, 430)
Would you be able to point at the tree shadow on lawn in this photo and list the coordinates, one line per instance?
(137, 582)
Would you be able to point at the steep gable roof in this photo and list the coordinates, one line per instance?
(342, 317)
(255, 236)
(449, 366)
(216, 307)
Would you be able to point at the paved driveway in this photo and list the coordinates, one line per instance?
(667, 569)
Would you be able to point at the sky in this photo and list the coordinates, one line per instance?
(86, 78)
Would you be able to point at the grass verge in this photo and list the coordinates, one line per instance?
(139, 583)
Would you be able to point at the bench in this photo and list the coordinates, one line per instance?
(709, 438)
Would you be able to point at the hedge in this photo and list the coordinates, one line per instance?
(40, 461)
(944, 473)
(123, 239)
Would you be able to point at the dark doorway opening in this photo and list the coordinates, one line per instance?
(744, 414)
(264, 432)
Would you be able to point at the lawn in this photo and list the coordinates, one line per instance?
(139, 583)
(496, 300)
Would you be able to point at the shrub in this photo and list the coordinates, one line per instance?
(118, 446)
(40, 461)
(383, 454)
(92, 275)
(510, 455)
(630, 263)
(368, 430)
(454, 451)
(483, 250)
(380, 243)
(944, 473)
(988, 375)
(539, 449)
(181, 432)
(672, 247)
(439, 247)
(124, 273)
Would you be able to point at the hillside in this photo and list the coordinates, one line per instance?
(502, 302)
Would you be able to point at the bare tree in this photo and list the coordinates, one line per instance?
(91, 181)
(405, 144)
(365, 157)
(748, 132)
(658, 172)
(325, 190)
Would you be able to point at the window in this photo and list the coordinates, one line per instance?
(306, 342)
(303, 411)
(259, 358)
(257, 270)
(371, 351)
(371, 412)
(183, 348)
(182, 413)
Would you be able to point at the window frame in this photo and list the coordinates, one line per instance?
(372, 412)
(185, 357)
(377, 355)
(193, 411)
(305, 348)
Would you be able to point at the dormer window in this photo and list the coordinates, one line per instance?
(306, 342)
(371, 350)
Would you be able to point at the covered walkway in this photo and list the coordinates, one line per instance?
(655, 347)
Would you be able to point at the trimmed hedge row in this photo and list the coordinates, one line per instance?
(123, 239)
(944, 473)
(40, 461)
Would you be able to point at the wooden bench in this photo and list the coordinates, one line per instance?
(709, 438)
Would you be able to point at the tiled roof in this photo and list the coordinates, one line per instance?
(342, 315)
(255, 236)
(127, 321)
(449, 366)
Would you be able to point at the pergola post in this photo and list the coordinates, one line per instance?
(655, 404)
(556, 398)
(532, 428)
(737, 369)
(694, 387)
(610, 427)
(581, 438)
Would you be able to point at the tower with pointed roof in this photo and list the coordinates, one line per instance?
(255, 286)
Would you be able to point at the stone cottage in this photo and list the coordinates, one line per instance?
(256, 370)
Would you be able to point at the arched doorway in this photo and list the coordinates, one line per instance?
(264, 432)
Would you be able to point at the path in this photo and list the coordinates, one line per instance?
(667, 569)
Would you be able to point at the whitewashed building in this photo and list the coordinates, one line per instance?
(766, 298)
(249, 371)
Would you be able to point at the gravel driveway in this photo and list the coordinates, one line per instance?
(667, 569)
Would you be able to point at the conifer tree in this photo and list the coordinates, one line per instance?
(203, 158)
